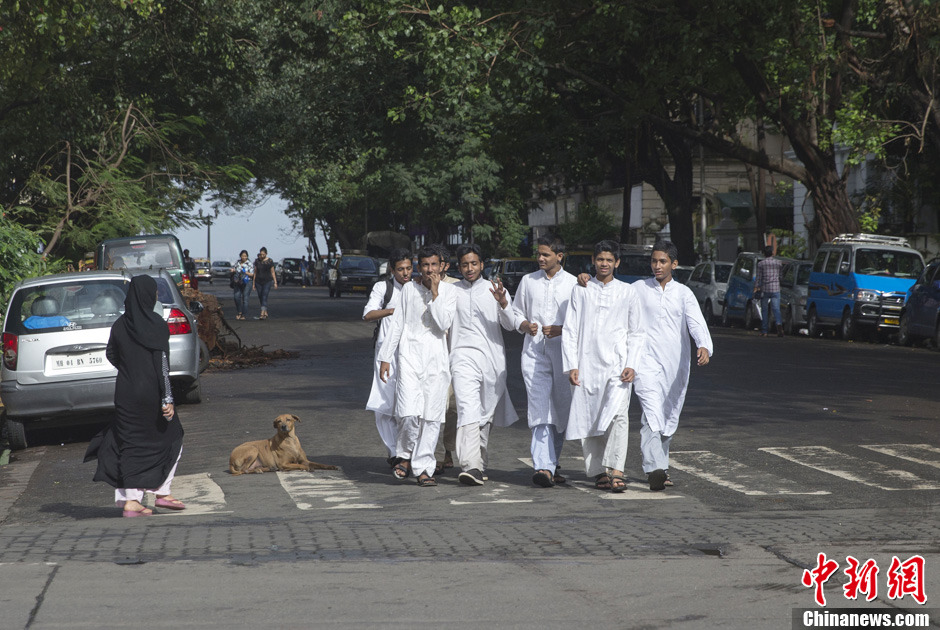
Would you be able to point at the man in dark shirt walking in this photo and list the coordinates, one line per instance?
(768, 283)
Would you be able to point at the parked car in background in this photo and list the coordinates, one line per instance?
(221, 268)
(511, 270)
(578, 261)
(203, 271)
(860, 281)
(54, 370)
(682, 273)
(453, 270)
(288, 270)
(147, 252)
(709, 281)
(634, 264)
(794, 287)
(920, 317)
(355, 274)
(740, 304)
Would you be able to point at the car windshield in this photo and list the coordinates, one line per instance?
(291, 264)
(579, 263)
(66, 306)
(221, 263)
(522, 266)
(164, 292)
(634, 265)
(802, 274)
(722, 273)
(886, 262)
(140, 255)
(362, 265)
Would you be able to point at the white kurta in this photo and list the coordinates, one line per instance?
(382, 396)
(603, 335)
(670, 316)
(478, 355)
(417, 337)
(544, 301)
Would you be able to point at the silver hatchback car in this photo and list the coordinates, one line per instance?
(54, 370)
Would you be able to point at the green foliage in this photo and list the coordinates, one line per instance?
(789, 244)
(20, 258)
(592, 224)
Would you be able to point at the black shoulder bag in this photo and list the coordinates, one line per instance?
(389, 288)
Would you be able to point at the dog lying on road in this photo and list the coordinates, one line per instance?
(281, 452)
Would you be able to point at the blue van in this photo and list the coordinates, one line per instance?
(860, 281)
(739, 296)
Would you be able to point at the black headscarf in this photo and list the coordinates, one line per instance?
(143, 324)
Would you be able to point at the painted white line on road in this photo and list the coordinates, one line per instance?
(320, 491)
(852, 468)
(200, 494)
(634, 492)
(734, 475)
(489, 493)
(911, 452)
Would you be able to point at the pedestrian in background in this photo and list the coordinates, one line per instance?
(264, 280)
(243, 274)
(767, 282)
(189, 266)
(140, 449)
(304, 272)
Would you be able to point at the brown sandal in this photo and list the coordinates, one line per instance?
(602, 481)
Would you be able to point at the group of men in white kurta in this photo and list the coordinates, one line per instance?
(589, 341)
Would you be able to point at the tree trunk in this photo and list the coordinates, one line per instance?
(834, 211)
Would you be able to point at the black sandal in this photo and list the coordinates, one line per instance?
(402, 469)
(557, 478)
(426, 480)
(618, 483)
(602, 481)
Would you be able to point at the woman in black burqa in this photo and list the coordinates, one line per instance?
(138, 452)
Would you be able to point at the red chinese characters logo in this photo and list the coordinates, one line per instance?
(862, 579)
(907, 578)
(819, 576)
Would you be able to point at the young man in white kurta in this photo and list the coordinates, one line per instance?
(478, 363)
(540, 305)
(601, 343)
(670, 314)
(382, 397)
(417, 338)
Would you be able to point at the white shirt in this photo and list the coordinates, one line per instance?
(670, 315)
(603, 335)
(477, 349)
(375, 304)
(542, 300)
(382, 395)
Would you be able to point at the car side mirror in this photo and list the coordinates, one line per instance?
(196, 307)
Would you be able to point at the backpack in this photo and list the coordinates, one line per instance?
(389, 289)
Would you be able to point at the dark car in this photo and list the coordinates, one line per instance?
(634, 265)
(511, 270)
(355, 274)
(920, 317)
(290, 271)
(794, 287)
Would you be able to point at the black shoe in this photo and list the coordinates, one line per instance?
(472, 477)
(543, 478)
(657, 479)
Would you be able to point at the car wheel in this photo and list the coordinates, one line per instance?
(847, 327)
(725, 317)
(904, 331)
(812, 323)
(707, 313)
(936, 335)
(788, 317)
(192, 395)
(15, 432)
(749, 316)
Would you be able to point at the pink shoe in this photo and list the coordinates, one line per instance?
(170, 504)
(135, 513)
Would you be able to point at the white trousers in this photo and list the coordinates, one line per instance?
(472, 440)
(417, 439)
(547, 443)
(122, 495)
(654, 446)
(609, 450)
(388, 431)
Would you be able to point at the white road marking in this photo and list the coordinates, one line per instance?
(320, 491)
(911, 452)
(200, 494)
(734, 475)
(489, 493)
(855, 469)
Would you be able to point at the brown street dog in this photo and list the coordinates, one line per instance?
(281, 452)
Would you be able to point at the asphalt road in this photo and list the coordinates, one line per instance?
(787, 448)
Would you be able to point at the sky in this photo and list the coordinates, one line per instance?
(265, 225)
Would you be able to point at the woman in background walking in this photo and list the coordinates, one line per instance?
(264, 279)
(243, 274)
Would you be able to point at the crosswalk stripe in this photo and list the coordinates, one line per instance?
(320, 491)
(734, 475)
(633, 492)
(869, 473)
(200, 493)
(911, 452)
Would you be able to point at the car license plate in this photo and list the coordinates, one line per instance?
(892, 321)
(358, 287)
(78, 362)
